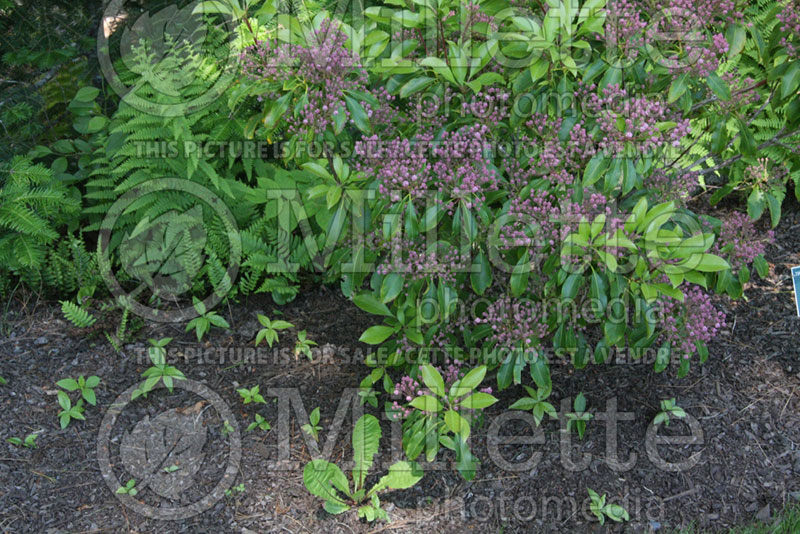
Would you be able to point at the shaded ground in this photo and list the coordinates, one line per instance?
(745, 400)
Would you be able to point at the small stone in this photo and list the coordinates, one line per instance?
(41, 341)
(764, 514)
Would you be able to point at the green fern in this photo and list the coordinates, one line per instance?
(32, 206)
(78, 316)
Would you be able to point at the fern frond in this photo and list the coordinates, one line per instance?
(76, 315)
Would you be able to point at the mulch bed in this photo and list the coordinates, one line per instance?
(745, 400)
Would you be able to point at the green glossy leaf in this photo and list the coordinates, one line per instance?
(478, 401)
(357, 114)
(595, 169)
(433, 380)
(718, 87)
(540, 373)
(415, 85)
(756, 203)
(736, 37)
(370, 304)
(366, 438)
(481, 277)
(711, 263)
(402, 475)
(456, 423)
(678, 87)
(469, 382)
(790, 80)
(747, 143)
(322, 478)
(426, 403)
(391, 287)
(70, 384)
(375, 335)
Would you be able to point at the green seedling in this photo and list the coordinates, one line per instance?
(259, 423)
(68, 411)
(159, 370)
(311, 428)
(270, 331)
(303, 345)
(601, 510)
(203, 323)
(84, 385)
(579, 417)
(328, 482)
(251, 395)
(29, 442)
(128, 489)
(669, 408)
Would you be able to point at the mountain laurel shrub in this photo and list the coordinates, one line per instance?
(519, 178)
(502, 185)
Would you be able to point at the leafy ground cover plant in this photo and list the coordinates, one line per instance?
(227, 428)
(260, 423)
(235, 490)
(327, 481)
(270, 331)
(207, 318)
(29, 442)
(312, 428)
(536, 402)
(669, 409)
(441, 411)
(160, 370)
(251, 395)
(129, 488)
(580, 417)
(84, 385)
(601, 510)
(68, 410)
(303, 345)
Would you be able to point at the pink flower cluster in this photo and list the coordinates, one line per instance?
(416, 259)
(631, 124)
(625, 28)
(594, 204)
(700, 57)
(400, 165)
(410, 388)
(740, 238)
(491, 105)
(541, 222)
(669, 185)
(790, 17)
(555, 155)
(704, 12)
(742, 93)
(326, 69)
(473, 17)
(694, 319)
(454, 164)
(530, 222)
(699, 52)
(515, 321)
